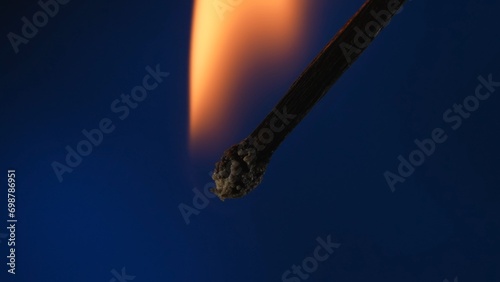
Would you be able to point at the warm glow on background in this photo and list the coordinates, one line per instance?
(229, 36)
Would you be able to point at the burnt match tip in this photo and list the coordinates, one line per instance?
(239, 171)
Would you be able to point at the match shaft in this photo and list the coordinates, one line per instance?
(328, 66)
(243, 165)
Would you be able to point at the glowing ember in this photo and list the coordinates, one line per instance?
(228, 35)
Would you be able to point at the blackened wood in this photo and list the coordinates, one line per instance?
(243, 165)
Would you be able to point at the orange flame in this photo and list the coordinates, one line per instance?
(228, 36)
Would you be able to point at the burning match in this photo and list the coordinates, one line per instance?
(242, 166)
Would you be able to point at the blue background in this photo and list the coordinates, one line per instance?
(120, 206)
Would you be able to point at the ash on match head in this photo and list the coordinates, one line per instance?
(242, 166)
(240, 170)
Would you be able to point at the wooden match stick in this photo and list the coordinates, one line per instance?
(242, 166)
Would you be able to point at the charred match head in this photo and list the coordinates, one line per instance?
(239, 171)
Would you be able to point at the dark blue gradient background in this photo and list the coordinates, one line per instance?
(119, 208)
